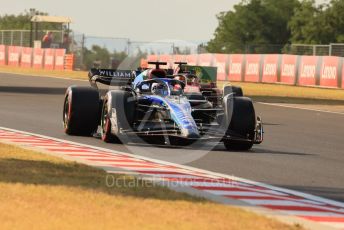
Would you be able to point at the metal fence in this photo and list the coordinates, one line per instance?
(304, 49)
(23, 37)
(110, 51)
(337, 49)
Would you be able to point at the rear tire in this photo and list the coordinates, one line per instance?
(81, 111)
(231, 89)
(240, 119)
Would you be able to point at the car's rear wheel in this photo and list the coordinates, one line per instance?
(81, 111)
(240, 119)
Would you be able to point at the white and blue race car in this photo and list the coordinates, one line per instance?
(152, 105)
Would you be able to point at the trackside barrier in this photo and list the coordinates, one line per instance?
(325, 71)
(206, 59)
(308, 71)
(14, 55)
(288, 69)
(49, 55)
(26, 57)
(192, 59)
(69, 61)
(166, 58)
(342, 74)
(178, 58)
(235, 67)
(37, 58)
(38, 55)
(252, 68)
(59, 59)
(270, 68)
(2, 55)
(329, 76)
(220, 63)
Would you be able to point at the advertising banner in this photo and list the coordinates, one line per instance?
(59, 59)
(329, 72)
(166, 58)
(14, 55)
(205, 59)
(252, 67)
(49, 55)
(270, 67)
(220, 63)
(191, 59)
(235, 67)
(26, 57)
(307, 70)
(288, 69)
(38, 55)
(2, 55)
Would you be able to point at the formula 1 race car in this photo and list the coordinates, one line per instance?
(154, 105)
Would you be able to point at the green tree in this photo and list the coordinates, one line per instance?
(253, 22)
(334, 16)
(22, 21)
(322, 24)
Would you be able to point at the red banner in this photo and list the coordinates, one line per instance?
(191, 59)
(152, 57)
(26, 57)
(13, 55)
(235, 67)
(270, 68)
(252, 67)
(38, 55)
(343, 76)
(166, 58)
(220, 63)
(329, 72)
(59, 59)
(178, 58)
(49, 55)
(288, 69)
(205, 59)
(307, 70)
(2, 55)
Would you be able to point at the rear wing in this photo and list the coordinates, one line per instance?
(111, 77)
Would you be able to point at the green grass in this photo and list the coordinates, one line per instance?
(290, 94)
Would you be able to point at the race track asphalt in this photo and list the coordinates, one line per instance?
(303, 150)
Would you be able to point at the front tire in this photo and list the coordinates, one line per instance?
(240, 119)
(117, 114)
(81, 111)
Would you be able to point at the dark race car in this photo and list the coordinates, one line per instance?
(154, 106)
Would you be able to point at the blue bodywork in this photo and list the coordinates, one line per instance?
(178, 106)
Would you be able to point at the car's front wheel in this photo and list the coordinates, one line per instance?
(81, 111)
(240, 119)
(117, 115)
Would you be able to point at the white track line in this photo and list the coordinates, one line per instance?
(301, 108)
